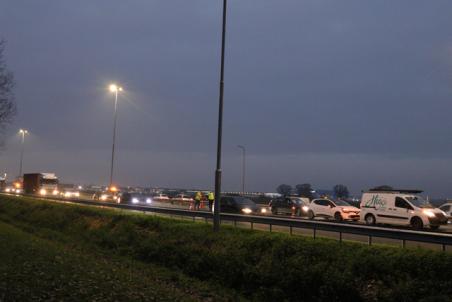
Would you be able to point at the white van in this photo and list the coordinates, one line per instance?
(400, 207)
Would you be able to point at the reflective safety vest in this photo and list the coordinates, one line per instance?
(198, 196)
(210, 196)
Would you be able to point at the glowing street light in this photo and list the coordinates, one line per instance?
(115, 89)
(22, 132)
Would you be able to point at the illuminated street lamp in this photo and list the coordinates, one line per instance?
(22, 132)
(115, 89)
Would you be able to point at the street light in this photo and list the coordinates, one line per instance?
(115, 89)
(243, 166)
(216, 209)
(22, 132)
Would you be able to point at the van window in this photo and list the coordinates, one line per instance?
(401, 203)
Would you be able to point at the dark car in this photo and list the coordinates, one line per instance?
(105, 196)
(135, 198)
(238, 205)
(296, 206)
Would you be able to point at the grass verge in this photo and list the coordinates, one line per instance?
(257, 265)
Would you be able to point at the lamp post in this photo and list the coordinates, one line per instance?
(243, 166)
(115, 89)
(22, 132)
(216, 209)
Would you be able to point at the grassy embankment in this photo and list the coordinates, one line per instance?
(232, 264)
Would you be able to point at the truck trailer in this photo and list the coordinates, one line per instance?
(40, 184)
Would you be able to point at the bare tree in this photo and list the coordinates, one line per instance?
(341, 191)
(7, 101)
(305, 190)
(284, 189)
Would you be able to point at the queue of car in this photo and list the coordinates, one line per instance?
(393, 207)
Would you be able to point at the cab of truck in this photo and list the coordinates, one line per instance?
(400, 207)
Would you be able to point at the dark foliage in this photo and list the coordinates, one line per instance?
(7, 102)
(304, 190)
(284, 189)
(341, 191)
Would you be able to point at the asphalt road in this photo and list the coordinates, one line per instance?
(307, 232)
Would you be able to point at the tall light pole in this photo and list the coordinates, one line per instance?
(243, 166)
(216, 209)
(22, 132)
(115, 89)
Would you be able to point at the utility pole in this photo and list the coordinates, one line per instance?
(216, 210)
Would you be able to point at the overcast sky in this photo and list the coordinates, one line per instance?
(320, 91)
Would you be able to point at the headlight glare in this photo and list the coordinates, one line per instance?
(246, 210)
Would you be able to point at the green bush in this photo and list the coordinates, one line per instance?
(261, 266)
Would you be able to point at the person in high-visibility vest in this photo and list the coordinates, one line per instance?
(198, 198)
(210, 198)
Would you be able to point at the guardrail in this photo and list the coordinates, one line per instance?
(341, 228)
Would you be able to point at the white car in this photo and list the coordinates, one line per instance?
(332, 209)
(161, 197)
(400, 207)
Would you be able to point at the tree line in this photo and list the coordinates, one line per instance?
(306, 190)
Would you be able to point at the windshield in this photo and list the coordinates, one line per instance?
(48, 181)
(244, 201)
(418, 201)
(298, 201)
(342, 203)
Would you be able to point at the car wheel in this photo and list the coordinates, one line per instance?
(417, 223)
(311, 214)
(434, 227)
(370, 219)
(274, 211)
(338, 216)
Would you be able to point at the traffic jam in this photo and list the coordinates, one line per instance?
(376, 207)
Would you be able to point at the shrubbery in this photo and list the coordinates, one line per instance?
(259, 265)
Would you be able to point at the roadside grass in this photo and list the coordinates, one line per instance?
(36, 269)
(259, 266)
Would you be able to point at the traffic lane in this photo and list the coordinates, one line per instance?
(204, 207)
(295, 231)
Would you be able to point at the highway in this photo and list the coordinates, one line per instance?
(204, 216)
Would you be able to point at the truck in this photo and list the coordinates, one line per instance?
(40, 184)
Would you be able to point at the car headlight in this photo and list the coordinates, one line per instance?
(55, 192)
(7, 190)
(67, 194)
(18, 191)
(135, 200)
(148, 200)
(429, 213)
(103, 197)
(77, 194)
(263, 210)
(305, 208)
(43, 192)
(247, 210)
